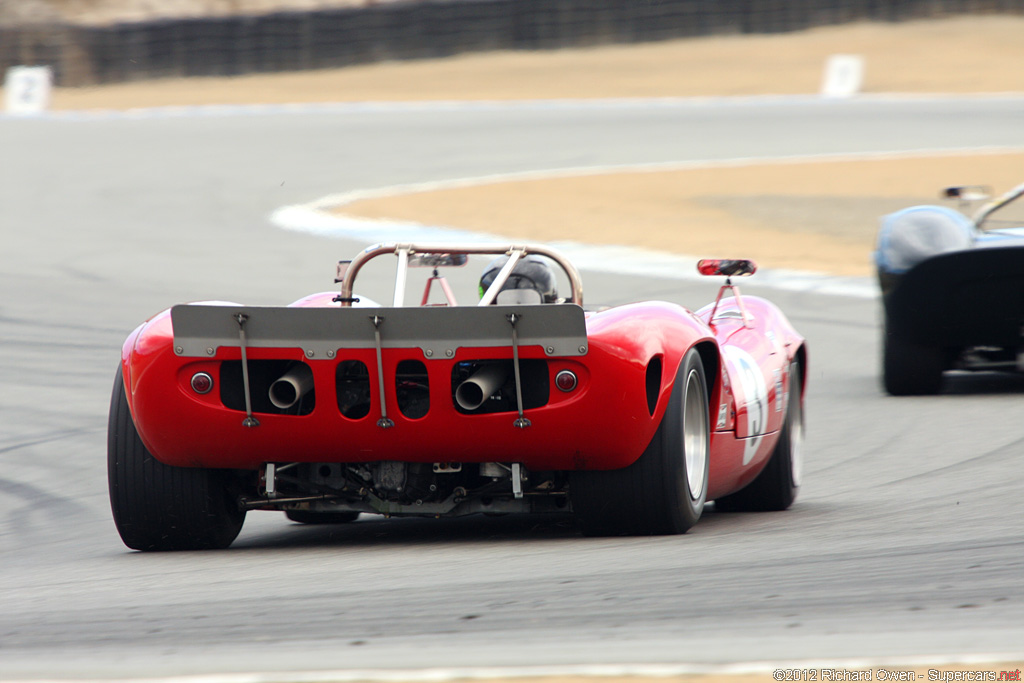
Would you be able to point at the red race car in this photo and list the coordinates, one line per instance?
(631, 417)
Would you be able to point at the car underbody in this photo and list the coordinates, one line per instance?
(394, 488)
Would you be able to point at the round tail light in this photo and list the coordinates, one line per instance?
(565, 381)
(202, 383)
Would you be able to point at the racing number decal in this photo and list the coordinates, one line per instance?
(755, 398)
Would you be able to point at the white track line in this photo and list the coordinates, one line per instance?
(340, 199)
(322, 217)
(221, 110)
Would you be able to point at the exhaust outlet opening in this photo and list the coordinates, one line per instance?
(276, 387)
(480, 386)
(488, 386)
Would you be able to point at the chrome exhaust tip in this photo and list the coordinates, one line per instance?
(483, 384)
(290, 387)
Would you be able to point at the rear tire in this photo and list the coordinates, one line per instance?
(309, 517)
(775, 488)
(664, 491)
(159, 507)
(909, 369)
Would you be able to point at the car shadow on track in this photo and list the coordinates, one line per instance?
(375, 530)
(970, 383)
(271, 531)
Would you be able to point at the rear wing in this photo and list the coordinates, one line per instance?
(200, 330)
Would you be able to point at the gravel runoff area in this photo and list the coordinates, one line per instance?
(812, 216)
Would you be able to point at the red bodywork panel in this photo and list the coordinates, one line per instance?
(604, 423)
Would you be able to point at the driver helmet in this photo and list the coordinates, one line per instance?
(530, 272)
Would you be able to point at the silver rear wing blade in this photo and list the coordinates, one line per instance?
(200, 330)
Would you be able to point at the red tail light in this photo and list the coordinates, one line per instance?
(565, 381)
(202, 383)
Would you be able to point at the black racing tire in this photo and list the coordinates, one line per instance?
(160, 507)
(777, 485)
(909, 369)
(664, 491)
(310, 517)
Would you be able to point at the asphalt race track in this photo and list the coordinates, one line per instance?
(906, 542)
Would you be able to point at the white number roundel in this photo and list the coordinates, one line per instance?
(754, 398)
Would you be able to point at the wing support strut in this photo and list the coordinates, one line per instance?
(521, 422)
(739, 302)
(249, 420)
(384, 422)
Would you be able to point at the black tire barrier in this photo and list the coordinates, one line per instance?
(419, 29)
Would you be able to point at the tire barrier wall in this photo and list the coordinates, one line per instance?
(419, 29)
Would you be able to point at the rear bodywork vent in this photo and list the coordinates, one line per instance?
(653, 383)
(412, 389)
(352, 381)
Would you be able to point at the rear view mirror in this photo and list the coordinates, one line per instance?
(727, 267)
(339, 274)
(967, 193)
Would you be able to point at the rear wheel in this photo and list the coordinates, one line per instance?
(159, 507)
(775, 488)
(309, 517)
(909, 369)
(664, 491)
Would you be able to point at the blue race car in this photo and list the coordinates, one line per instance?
(952, 290)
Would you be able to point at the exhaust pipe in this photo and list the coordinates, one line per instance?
(480, 386)
(287, 389)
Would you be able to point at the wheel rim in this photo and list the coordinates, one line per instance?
(695, 435)
(796, 436)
